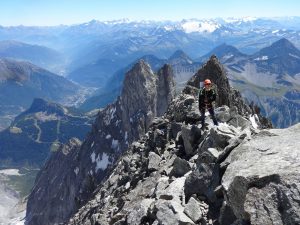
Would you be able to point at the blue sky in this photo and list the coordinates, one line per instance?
(54, 12)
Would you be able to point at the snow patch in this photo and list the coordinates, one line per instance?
(295, 56)
(92, 144)
(10, 172)
(200, 26)
(240, 20)
(253, 121)
(120, 21)
(102, 163)
(225, 57)
(264, 57)
(76, 170)
(168, 28)
(118, 122)
(108, 136)
(93, 157)
(126, 136)
(115, 144)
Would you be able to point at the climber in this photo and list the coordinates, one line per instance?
(207, 96)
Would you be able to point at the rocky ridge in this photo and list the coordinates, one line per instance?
(61, 189)
(234, 173)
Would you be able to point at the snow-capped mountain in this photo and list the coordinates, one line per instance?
(200, 26)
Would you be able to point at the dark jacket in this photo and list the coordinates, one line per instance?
(206, 98)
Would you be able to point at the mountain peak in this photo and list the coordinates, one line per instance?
(281, 48)
(284, 43)
(180, 56)
(178, 53)
(282, 57)
(224, 52)
(226, 48)
(141, 65)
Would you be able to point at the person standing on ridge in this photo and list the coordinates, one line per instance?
(207, 96)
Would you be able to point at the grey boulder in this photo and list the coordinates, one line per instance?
(262, 180)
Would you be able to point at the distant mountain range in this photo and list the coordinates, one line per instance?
(39, 55)
(124, 41)
(21, 82)
(41, 128)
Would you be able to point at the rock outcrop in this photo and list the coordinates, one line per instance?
(145, 95)
(262, 180)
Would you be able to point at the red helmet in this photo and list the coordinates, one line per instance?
(207, 82)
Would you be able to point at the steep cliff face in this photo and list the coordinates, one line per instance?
(144, 96)
(233, 173)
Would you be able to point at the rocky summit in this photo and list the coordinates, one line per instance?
(240, 172)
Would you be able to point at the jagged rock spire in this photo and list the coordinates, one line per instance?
(165, 89)
(139, 95)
